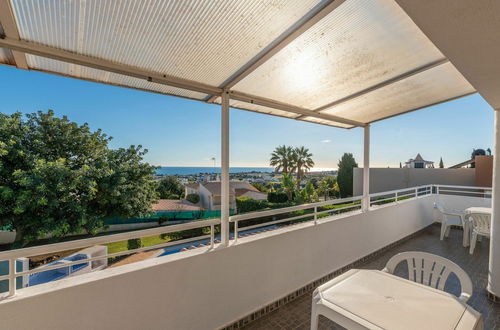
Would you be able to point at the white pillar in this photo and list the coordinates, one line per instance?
(225, 168)
(494, 265)
(365, 204)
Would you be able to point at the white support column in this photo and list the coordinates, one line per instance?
(494, 265)
(225, 169)
(365, 205)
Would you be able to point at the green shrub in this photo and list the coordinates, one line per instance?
(134, 243)
(245, 204)
(277, 197)
(193, 198)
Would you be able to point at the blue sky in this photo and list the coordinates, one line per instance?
(181, 132)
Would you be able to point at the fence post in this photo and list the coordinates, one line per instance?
(315, 215)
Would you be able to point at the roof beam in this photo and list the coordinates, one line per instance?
(8, 23)
(382, 84)
(101, 64)
(315, 16)
(234, 95)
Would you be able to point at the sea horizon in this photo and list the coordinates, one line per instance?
(192, 170)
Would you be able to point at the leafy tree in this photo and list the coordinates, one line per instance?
(134, 243)
(259, 186)
(277, 197)
(282, 159)
(58, 177)
(170, 188)
(193, 198)
(302, 162)
(441, 164)
(345, 174)
(307, 195)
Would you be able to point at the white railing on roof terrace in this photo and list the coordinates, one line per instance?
(244, 225)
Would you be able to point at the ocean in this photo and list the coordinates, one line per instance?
(185, 170)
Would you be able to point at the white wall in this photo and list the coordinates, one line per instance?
(206, 290)
(386, 179)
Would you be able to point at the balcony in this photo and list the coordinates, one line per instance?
(263, 279)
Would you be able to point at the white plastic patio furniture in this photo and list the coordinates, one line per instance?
(452, 218)
(480, 224)
(432, 270)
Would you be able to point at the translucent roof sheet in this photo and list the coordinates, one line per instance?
(332, 62)
(73, 70)
(200, 40)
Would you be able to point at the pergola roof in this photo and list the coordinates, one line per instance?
(339, 63)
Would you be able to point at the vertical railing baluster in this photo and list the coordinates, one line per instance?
(236, 231)
(212, 235)
(315, 215)
(12, 277)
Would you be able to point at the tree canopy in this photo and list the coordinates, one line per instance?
(302, 162)
(345, 174)
(58, 177)
(282, 159)
(170, 188)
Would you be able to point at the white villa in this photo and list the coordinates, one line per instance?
(210, 193)
(419, 162)
(343, 64)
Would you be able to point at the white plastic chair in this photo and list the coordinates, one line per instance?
(431, 270)
(452, 218)
(480, 226)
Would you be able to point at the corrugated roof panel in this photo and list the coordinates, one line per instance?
(358, 45)
(67, 69)
(325, 122)
(438, 84)
(200, 40)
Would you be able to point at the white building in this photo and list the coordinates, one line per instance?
(419, 162)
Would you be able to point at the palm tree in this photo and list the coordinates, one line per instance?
(288, 185)
(302, 162)
(327, 185)
(282, 159)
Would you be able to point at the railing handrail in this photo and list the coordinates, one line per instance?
(260, 214)
(85, 242)
(383, 193)
(465, 187)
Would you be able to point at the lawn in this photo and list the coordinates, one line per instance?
(146, 241)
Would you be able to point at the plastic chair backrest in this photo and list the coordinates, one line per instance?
(432, 270)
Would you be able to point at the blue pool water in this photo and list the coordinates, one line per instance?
(57, 274)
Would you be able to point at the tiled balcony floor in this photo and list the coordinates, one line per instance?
(296, 314)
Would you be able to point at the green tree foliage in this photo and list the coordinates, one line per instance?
(259, 186)
(134, 243)
(302, 162)
(345, 174)
(58, 177)
(307, 195)
(277, 197)
(282, 159)
(193, 198)
(170, 188)
(288, 185)
(245, 204)
(327, 187)
(441, 164)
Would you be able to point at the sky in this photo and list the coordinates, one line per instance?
(180, 132)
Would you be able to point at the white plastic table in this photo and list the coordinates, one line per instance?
(372, 299)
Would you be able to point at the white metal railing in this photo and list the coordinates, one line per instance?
(313, 211)
(12, 255)
(352, 203)
(470, 191)
(395, 196)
